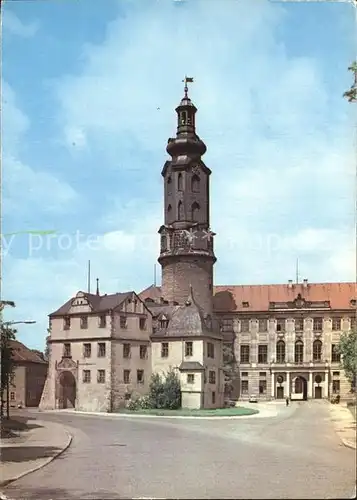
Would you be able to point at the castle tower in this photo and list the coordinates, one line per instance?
(186, 253)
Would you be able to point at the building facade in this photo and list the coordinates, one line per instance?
(99, 352)
(29, 376)
(104, 348)
(285, 337)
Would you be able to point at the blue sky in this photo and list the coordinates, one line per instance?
(84, 142)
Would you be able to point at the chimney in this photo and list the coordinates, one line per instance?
(305, 283)
(290, 283)
(97, 286)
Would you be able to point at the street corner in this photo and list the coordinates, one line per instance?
(42, 445)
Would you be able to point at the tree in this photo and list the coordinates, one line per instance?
(165, 393)
(230, 368)
(7, 365)
(156, 391)
(351, 94)
(348, 350)
(172, 391)
(47, 349)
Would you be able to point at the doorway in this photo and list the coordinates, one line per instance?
(300, 388)
(318, 392)
(280, 392)
(67, 390)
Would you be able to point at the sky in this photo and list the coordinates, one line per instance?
(89, 91)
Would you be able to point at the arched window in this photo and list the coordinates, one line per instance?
(183, 118)
(317, 350)
(195, 209)
(299, 351)
(280, 351)
(180, 182)
(169, 208)
(195, 184)
(180, 210)
(169, 185)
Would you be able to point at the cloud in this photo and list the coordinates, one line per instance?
(26, 188)
(14, 26)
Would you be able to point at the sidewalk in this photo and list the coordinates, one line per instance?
(345, 424)
(31, 449)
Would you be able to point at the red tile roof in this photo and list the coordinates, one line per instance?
(21, 353)
(258, 297)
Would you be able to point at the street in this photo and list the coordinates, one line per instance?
(296, 454)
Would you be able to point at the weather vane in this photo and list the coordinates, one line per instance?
(188, 79)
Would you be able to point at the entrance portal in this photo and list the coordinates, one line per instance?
(300, 389)
(67, 390)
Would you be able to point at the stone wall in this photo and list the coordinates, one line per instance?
(178, 275)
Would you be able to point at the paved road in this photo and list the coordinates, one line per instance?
(294, 455)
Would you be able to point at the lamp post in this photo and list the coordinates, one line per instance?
(10, 323)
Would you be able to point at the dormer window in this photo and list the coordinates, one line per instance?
(164, 323)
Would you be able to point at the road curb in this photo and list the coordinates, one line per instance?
(3, 484)
(179, 417)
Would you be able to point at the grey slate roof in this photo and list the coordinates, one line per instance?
(186, 320)
(99, 303)
(191, 366)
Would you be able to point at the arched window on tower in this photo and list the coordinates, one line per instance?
(195, 211)
(195, 184)
(169, 185)
(180, 211)
(180, 182)
(183, 117)
(280, 351)
(317, 350)
(169, 211)
(299, 351)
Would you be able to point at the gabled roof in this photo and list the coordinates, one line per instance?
(249, 298)
(21, 353)
(99, 303)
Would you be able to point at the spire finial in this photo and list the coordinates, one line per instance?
(97, 286)
(188, 79)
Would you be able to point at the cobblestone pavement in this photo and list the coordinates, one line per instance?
(296, 454)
